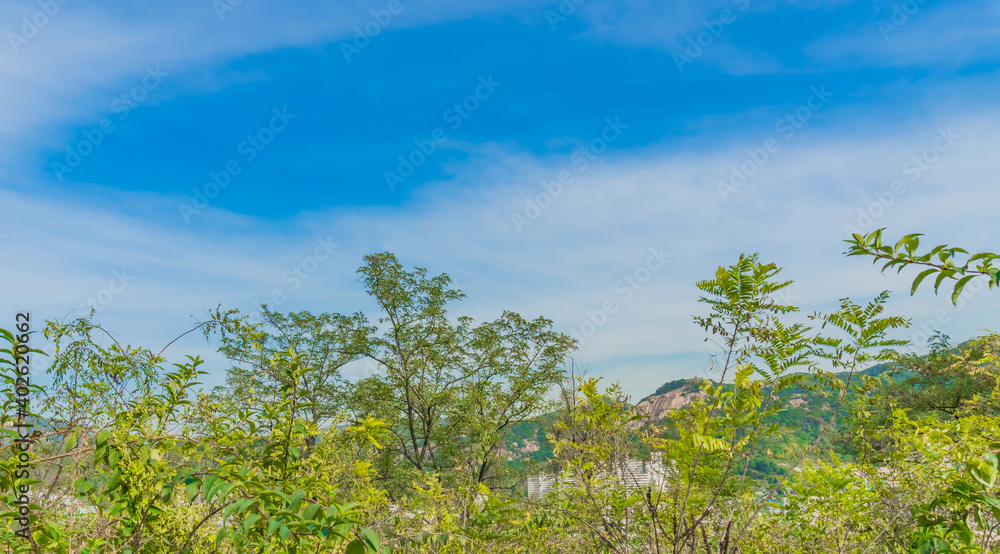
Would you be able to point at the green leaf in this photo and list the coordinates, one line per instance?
(356, 547)
(248, 521)
(192, 490)
(230, 509)
(102, 437)
(958, 288)
(310, 511)
(945, 273)
(916, 282)
(207, 487)
(373, 539)
(83, 486)
(297, 497)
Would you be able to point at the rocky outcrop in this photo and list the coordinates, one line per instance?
(656, 407)
(529, 447)
(797, 401)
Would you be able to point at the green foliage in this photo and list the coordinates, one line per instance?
(451, 391)
(325, 343)
(671, 386)
(174, 471)
(947, 266)
(427, 453)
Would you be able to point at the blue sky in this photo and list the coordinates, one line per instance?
(119, 115)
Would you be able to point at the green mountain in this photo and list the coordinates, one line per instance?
(807, 411)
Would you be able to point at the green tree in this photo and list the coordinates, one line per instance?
(325, 343)
(451, 390)
(174, 470)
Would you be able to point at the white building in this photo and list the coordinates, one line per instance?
(632, 474)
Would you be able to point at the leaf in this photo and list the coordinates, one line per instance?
(373, 539)
(207, 487)
(102, 437)
(945, 273)
(984, 473)
(916, 282)
(356, 547)
(83, 486)
(310, 511)
(221, 489)
(296, 498)
(192, 490)
(958, 288)
(249, 521)
(230, 509)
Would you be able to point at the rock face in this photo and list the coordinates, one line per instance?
(529, 447)
(515, 451)
(797, 401)
(656, 407)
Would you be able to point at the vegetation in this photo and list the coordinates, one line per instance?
(814, 434)
(904, 254)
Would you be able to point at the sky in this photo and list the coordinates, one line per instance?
(582, 160)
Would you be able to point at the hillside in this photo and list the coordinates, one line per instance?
(806, 412)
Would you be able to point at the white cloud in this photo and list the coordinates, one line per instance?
(68, 73)
(946, 34)
(62, 249)
(564, 264)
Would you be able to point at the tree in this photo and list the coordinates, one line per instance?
(451, 390)
(173, 470)
(420, 351)
(706, 502)
(325, 343)
(512, 364)
(948, 383)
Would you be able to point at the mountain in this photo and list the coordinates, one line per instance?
(806, 412)
(671, 396)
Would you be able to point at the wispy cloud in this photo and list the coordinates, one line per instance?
(130, 254)
(565, 266)
(81, 61)
(915, 33)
